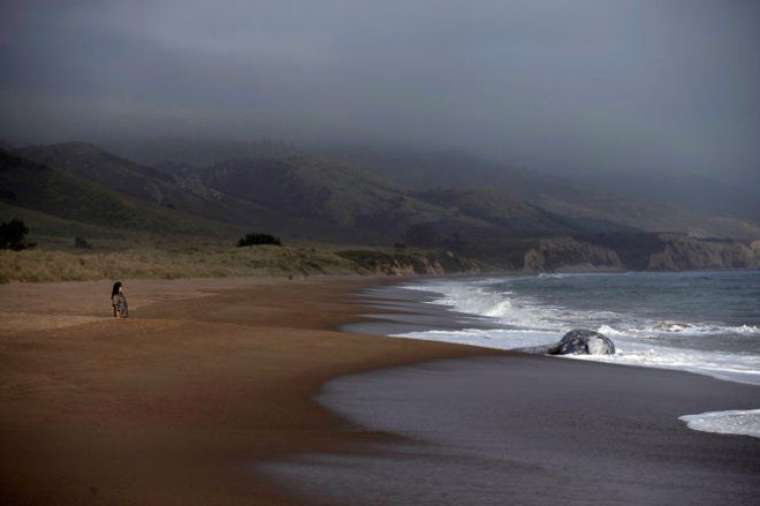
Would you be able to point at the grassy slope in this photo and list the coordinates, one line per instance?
(134, 239)
(212, 259)
(590, 203)
(147, 184)
(302, 195)
(367, 208)
(296, 197)
(181, 262)
(35, 186)
(318, 198)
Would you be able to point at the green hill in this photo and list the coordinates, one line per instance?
(298, 196)
(303, 196)
(28, 184)
(150, 185)
(589, 200)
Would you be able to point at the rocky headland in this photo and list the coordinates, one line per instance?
(653, 252)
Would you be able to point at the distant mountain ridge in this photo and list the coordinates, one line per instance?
(651, 201)
(318, 197)
(660, 203)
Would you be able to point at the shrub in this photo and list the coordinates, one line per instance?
(255, 239)
(12, 235)
(81, 243)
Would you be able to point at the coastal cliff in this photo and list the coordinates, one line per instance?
(661, 252)
(410, 263)
(685, 253)
(567, 254)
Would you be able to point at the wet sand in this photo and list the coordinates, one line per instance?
(175, 404)
(191, 401)
(529, 430)
(490, 431)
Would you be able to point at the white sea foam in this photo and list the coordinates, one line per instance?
(737, 367)
(742, 422)
(552, 275)
(474, 297)
(520, 322)
(502, 339)
(644, 329)
(726, 366)
(524, 322)
(503, 306)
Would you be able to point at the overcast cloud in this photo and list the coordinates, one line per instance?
(613, 85)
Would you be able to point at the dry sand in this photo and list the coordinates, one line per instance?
(175, 404)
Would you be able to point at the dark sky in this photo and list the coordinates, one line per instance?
(663, 85)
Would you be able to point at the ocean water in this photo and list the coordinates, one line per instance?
(524, 430)
(702, 322)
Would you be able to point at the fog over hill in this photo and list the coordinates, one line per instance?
(668, 202)
(365, 120)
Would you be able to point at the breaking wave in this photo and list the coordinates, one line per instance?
(516, 319)
(631, 309)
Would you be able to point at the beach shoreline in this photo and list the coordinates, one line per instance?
(211, 379)
(529, 430)
(175, 404)
(523, 428)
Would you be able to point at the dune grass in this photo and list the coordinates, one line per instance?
(57, 265)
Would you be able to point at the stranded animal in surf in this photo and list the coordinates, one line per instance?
(583, 342)
(575, 342)
(119, 301)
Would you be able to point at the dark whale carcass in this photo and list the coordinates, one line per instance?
(583, 342)
(575, 342)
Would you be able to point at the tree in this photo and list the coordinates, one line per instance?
(254, 239)
(12, 235)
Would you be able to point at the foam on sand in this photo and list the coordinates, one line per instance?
(741, 422)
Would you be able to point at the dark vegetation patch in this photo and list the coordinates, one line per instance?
(81, 243)
(258, 239)
(13, 235)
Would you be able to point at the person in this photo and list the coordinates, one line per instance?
(119, 301)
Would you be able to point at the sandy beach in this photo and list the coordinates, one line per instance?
(211, 379)
(175, 404)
